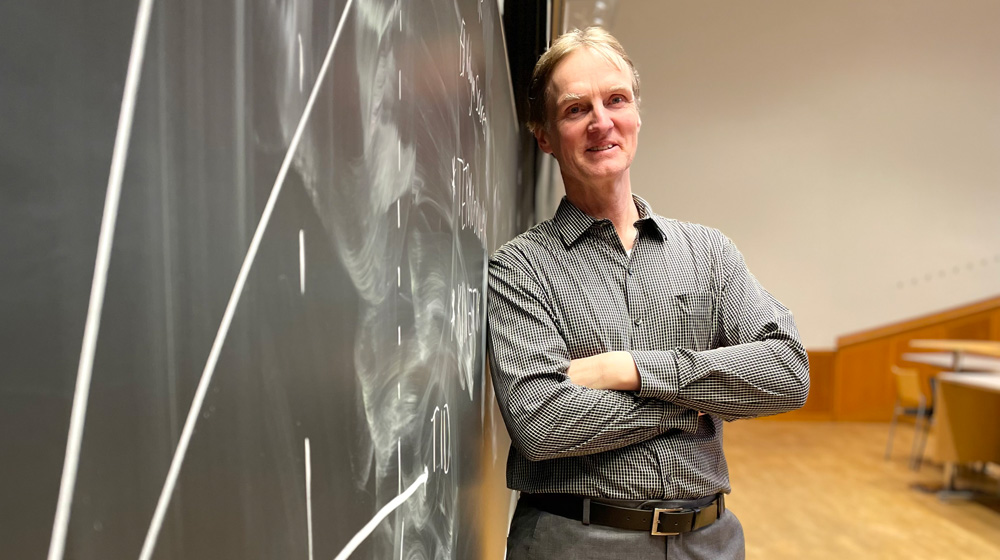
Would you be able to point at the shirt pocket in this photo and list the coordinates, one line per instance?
(693, 314)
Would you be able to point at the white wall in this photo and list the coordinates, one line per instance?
(851, 148)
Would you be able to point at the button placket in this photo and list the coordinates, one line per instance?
(630, 295)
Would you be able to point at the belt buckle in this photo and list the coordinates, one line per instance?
(656, 521)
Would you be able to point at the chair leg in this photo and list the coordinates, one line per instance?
(923, 441)
(892, 430)
(919, 429)
(950, 474)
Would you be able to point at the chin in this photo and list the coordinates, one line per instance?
(609, 169)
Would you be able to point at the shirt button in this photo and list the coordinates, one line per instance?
(631, 272)
(638, 322)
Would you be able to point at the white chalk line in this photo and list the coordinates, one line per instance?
(302, 68)
(380, 516)
(92, 327)
(302, 261)
(309, 503)
(213, 357)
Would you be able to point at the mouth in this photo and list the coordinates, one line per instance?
(602, 148)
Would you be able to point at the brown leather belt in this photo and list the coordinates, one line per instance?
(658, 521)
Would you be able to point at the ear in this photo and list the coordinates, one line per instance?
(541, 136)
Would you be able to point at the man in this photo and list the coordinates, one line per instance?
(620, 341)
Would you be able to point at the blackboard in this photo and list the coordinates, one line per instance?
(288, 347)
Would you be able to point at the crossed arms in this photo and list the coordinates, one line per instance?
(556, 406)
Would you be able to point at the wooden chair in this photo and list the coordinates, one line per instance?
(910, 401)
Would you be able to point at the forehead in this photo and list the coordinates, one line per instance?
(585, 69)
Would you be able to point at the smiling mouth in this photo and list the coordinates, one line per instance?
(601, 148)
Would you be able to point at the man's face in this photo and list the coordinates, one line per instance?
(592, 127)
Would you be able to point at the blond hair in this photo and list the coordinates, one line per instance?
(594, 38)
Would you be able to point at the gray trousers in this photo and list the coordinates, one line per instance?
(538, 535)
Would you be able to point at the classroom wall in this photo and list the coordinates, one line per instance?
(849, 147)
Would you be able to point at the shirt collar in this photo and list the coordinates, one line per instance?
(572, 222)
(646, 215)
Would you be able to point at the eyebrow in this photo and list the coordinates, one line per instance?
(571, 97)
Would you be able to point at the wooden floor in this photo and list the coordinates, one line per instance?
(822, 490)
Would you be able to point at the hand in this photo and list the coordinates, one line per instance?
(610, 370)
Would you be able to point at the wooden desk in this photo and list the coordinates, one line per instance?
(949, 361)
(987, 349)
(981, 347)
(967, 420)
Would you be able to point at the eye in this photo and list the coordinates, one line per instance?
(617, 99)
(575, 109)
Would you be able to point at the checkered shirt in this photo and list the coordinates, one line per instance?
(704, 335)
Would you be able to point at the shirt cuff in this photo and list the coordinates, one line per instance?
(657, 374)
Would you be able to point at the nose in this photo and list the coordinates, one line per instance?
(600, 120)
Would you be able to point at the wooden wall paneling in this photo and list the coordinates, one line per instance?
(974, 327)
(862, 385)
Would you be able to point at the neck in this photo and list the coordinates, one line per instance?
(612, 201)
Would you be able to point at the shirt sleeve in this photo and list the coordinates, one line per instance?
(546, 414)
(760, 366)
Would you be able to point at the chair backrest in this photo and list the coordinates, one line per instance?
(907, 386)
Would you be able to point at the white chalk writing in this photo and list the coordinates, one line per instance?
(472, 212)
